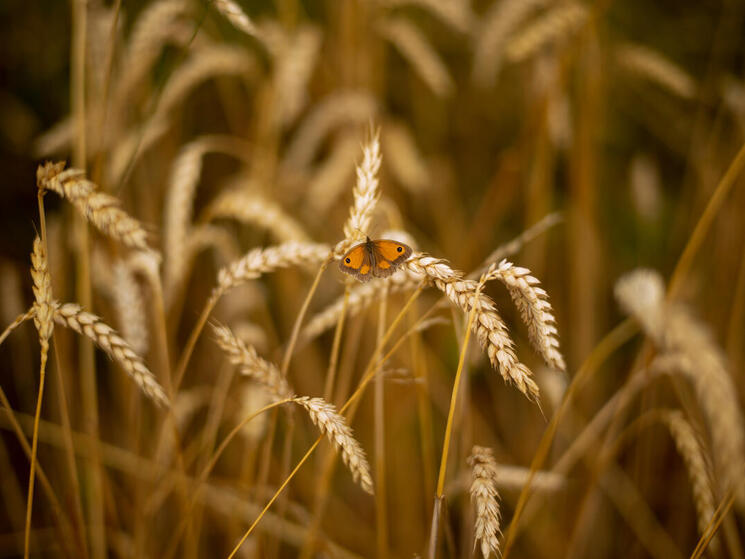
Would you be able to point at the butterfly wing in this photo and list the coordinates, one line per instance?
(389, 255)
(357, 262)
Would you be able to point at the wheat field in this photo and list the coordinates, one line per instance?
(553, 367)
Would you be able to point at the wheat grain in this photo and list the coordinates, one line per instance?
(488, 326)
(366, 195)
(130, 307)
(260, 261)
(657, 68)
(420, 54)
(92, 327)
(485, 497)
(325, 417)
(535, 310)
(254, 209)
(690, 450)
(500, 21)
(102, 210)
(251, 365)
(556, 24)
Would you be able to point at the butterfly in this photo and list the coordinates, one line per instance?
(374, 259)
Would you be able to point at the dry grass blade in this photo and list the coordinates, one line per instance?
(485, 497)
(690, 450)
(325, 417)
(488, 326)
(264, 260)
(102, 210)
(251, 365)
(535, 310)
(89, 325)
(556, 24)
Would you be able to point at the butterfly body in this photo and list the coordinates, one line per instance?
(374, 259)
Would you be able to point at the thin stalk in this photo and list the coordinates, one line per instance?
(328, 389)
(352, 399)
(379, 418)
(439, 497)
(192, 341)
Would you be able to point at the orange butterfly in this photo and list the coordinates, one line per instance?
(374, 259)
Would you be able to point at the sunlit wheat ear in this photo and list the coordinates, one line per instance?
(686, 347)
(485, 499)
(419, 53)
(100, 209)
(535, 310)
(254, 209)
(130, 307)
(690, 450)
(488, 326)
(264, 260)
(251, 365)
(235, 15)
(655, 67)
(325, 417)
(404, 158)
(332, 175)
(89, 325)
(559, 22)
(43, 304)
(361, 297)
(366, 194)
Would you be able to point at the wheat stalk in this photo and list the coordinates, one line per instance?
(690, 450)
(325, 417)
(260, 261)
(73, 316)
(102, 210)
(251, 365)
(488, 326)
(485, 497)
(535, 310)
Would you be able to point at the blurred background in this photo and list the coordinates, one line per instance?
(617, 120)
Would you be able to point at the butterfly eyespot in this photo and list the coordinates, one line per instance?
(399, 249)
(347, 260)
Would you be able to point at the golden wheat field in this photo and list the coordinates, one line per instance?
(372, 278)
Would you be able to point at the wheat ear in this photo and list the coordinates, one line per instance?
(690, 450)
(102, 210)
(488, 326)
(325, 417)
(235, 15)
(485, 497)
(555, 24)
(73, 316)
(251, 365)
(535, 310)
